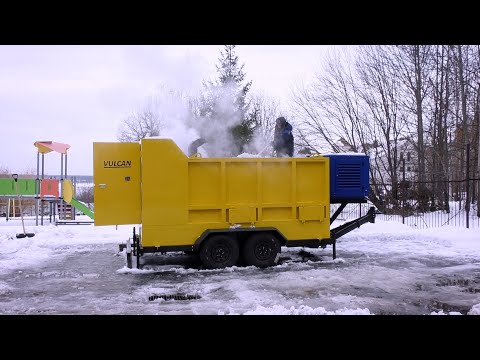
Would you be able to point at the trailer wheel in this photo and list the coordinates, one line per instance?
(261, 250)
(219, 251)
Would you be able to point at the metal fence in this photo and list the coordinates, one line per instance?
(457, 216)
(427, 204)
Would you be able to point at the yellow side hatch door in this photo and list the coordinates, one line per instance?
(116, 177)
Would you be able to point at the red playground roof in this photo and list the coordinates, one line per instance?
(45, 147)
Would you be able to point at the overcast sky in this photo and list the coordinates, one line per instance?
(79, 94)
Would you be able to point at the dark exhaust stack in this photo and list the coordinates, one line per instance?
(193, 147)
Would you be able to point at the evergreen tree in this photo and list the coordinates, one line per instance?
(225, 107)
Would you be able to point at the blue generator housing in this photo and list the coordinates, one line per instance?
(349, 178)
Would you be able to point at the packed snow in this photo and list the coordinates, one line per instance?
(381, 268)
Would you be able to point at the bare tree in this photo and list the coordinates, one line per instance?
(412, 66)
(467, 78)
(328, 109)
(463, 91)
(167, 106)
(472, 70)
(139, 125)
(463, 102)
(441, 99)
(477, 117)
(386, 125)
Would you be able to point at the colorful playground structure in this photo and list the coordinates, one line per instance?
(58, 194)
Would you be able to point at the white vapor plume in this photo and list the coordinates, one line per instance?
(215, 126)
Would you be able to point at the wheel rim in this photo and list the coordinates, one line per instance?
(220, 253)
(263, 250)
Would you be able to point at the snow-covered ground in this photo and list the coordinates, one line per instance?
(381, 268)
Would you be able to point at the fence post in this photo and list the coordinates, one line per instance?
(467, 201)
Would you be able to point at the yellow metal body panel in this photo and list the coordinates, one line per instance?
(242, 216)
(182, 197)
(164, 184)
(117, 180)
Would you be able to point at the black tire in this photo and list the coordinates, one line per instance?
(219, 251)
(261, 250)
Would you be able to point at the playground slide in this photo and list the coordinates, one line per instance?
(68, 197)
(82, 207)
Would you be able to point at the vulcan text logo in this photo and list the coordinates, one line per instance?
(117, 164)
